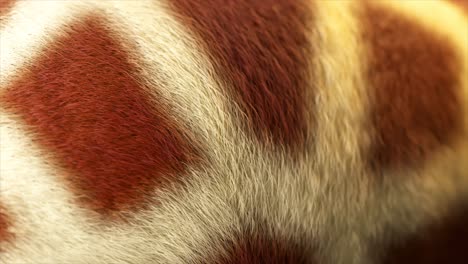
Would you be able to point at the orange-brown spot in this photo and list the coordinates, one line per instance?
(413, 80)
(442, 242)
(461, 3)
(261, 49)
(5, 222)
(5, 7)
(260, 248)
(87, 105)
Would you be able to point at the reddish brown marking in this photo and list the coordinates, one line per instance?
(414, 78)
(5, 7)
(261, 49)
(5, 223)
(443, 242)
(461, 3)
(259, 248)
(87, 104)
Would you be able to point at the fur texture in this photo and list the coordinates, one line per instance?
(233, 132)
(5, 6)
(91, 110)
(261, 52)
(412, 113)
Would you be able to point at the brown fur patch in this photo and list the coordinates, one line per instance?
(259, 248)
(442, 242)
(5, 7)
(86, 104)
(461, 3)
(5, 223)
(413, 75)
(261, 49)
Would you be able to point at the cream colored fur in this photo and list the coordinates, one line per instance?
(186, 225)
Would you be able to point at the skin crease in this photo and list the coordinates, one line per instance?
(178, 131)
